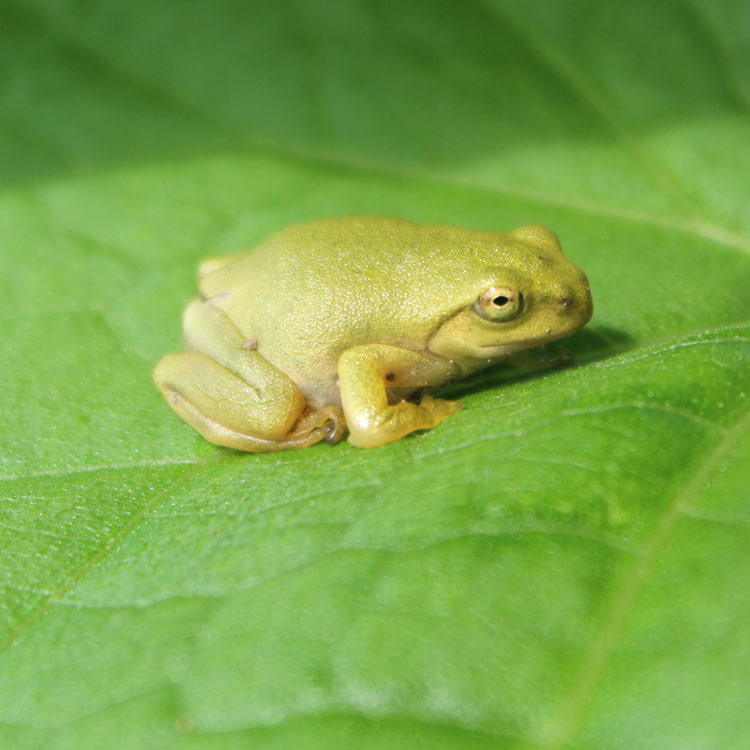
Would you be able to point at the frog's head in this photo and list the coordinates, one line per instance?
(521, 292)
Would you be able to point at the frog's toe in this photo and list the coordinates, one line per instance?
(326, 423)
(440, 408)
(335, 427)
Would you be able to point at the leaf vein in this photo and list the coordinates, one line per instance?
(570, 717)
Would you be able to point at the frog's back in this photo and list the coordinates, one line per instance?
(335, 252)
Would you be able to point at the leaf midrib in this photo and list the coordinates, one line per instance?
(571, 716)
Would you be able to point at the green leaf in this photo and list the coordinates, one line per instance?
(563, 565)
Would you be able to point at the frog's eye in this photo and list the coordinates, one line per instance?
(499, 303)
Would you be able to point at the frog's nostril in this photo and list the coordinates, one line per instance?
(573, 299)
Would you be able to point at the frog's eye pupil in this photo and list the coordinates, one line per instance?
(499, 303)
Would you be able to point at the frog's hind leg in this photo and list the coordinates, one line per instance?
(227, 411)
(234, 396)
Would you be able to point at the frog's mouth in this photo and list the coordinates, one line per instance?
(528, 342)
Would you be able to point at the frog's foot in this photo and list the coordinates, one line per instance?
(328, 422)
(376, 428)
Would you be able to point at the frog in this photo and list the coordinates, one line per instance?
(353, 323)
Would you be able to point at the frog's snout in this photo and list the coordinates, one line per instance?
(587, 302)
(575, 301)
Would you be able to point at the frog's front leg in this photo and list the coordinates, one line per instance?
(367, 374)
(233, 396)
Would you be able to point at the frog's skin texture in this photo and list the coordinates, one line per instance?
(350, 323)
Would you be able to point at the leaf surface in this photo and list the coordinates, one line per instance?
(562, 565)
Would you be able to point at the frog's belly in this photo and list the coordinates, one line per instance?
(317, 377)
(320, 390)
